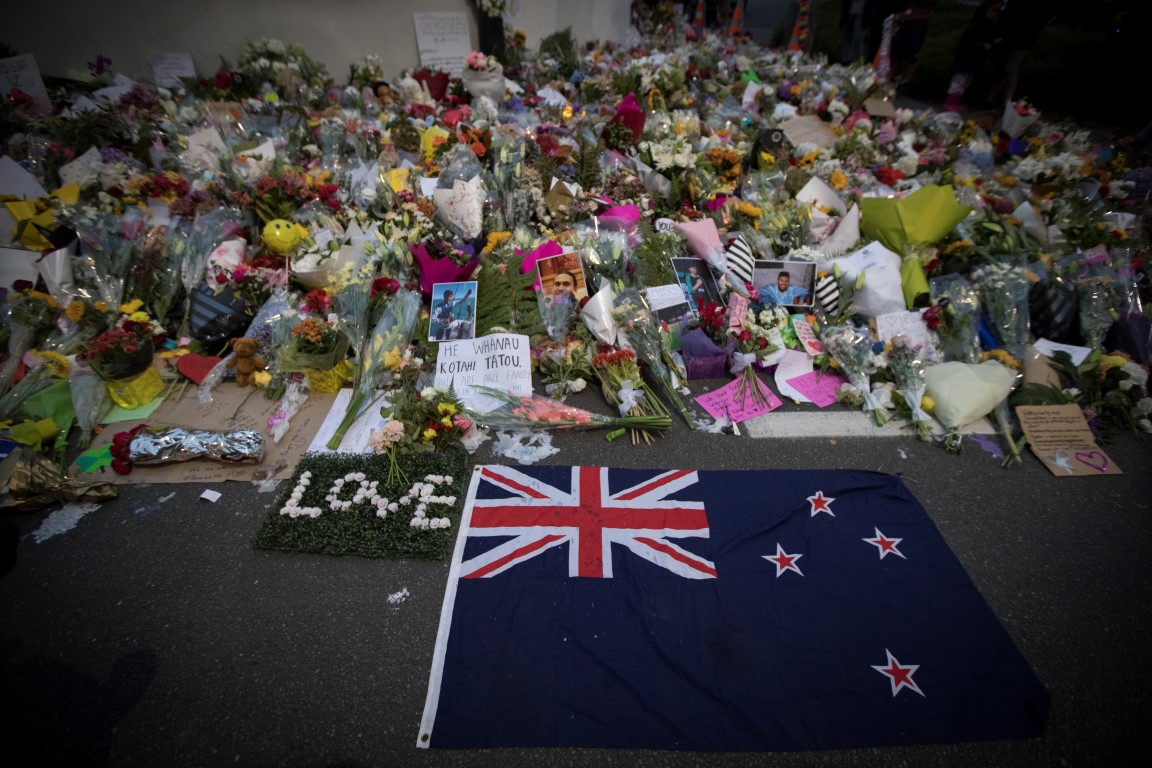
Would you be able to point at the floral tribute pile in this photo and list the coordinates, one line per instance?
(606, 201)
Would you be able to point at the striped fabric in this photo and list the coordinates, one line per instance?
(741, 261)
(828, 293)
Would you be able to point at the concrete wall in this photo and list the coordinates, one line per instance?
(66, 34)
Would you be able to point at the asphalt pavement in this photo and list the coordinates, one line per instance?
(151, 632)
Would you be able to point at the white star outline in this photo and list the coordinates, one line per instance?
(783, 561)
(821, 503)
(891, 670)
(881, 540)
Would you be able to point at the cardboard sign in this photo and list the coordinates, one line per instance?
(498, 360)
(1061, 438)
(808, 129)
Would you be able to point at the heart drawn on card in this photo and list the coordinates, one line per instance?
(196, 367)
(1093, 459)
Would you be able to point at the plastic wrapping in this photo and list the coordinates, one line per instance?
(1099, 294)
(907, 365)
(166, 445)
(852, 349)
(1004, 299)
(107, 245)
(958, 317)
(535, 412)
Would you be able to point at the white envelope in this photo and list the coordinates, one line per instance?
(462, 206)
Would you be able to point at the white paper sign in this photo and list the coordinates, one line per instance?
(1048, 348)
(907, 324)
(84, 170)
(169, 69)
(21, 72)
(356, 438)
(443, 40)
(794, 363)
(499, 360)
(804, 332)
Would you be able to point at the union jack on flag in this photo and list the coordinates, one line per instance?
(587, 516)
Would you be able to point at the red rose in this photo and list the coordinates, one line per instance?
(121, 467)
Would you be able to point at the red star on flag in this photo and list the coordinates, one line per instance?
(885, 545)
(821, 503)
(898, 675)
(783, 561)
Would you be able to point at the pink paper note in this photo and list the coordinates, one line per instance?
(723, 402)
(821, 390)
(737, 310)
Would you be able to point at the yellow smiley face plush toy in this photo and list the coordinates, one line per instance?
(283, 236)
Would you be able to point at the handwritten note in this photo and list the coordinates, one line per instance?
(737, 310)
(812, 345)
(498, 360)
(808, 129)
(909, 324)
(1060, 437)
(170, 69)
(792, 365)
(723, 403)
(21, 72)
(443, 40)
(1050, 348)
(820, 390)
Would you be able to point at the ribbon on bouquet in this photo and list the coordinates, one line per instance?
(741, 360)
(630, 397)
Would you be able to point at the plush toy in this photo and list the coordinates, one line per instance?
(245, 360)
(283, 236)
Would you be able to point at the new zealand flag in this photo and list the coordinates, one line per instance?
(714, 611)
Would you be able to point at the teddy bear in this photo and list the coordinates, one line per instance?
(245, 360)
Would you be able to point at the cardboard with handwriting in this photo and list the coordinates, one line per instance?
(1061, 438)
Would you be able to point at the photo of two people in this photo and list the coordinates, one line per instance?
(453, 311)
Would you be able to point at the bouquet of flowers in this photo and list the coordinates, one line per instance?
(107, 244)
(955, 316)
(705, 348)
(381, 349)
(122, 357)
(852, 349)
(1018, 117)
(316, 345)
(483, 76)
(1004, 297)
(31, 314)
(564, 366)
(442, 262)
(1100, 297)
(636, 328)
(753, 343)
(536, 412)
(623, 387)
(906, 366)
(419, 422)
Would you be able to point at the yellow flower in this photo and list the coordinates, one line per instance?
(428, 434)
(748, 209)
(44, 297)
(100, 306)
(446, 421)
(58, 365)
(1002, 356)
(261, 378)
(767, 158)
(75, 310)
(809, 159)
(494, 239)
(927, 403)
(394, 359)
(838, 180)
(139, 317)
(446, 408)
(131, 306)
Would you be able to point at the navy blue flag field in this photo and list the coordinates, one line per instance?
(775, 610)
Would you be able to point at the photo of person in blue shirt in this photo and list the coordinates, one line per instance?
(784, 293)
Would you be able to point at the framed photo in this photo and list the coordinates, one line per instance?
(697, 281)
(562, 279)
(785, 283)
(453, 311)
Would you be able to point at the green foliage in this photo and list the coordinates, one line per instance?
(359, 531)
(654, 255)
(405, 136)
(505, 299)
(586, 159)
(626, 82)
(561, 48)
